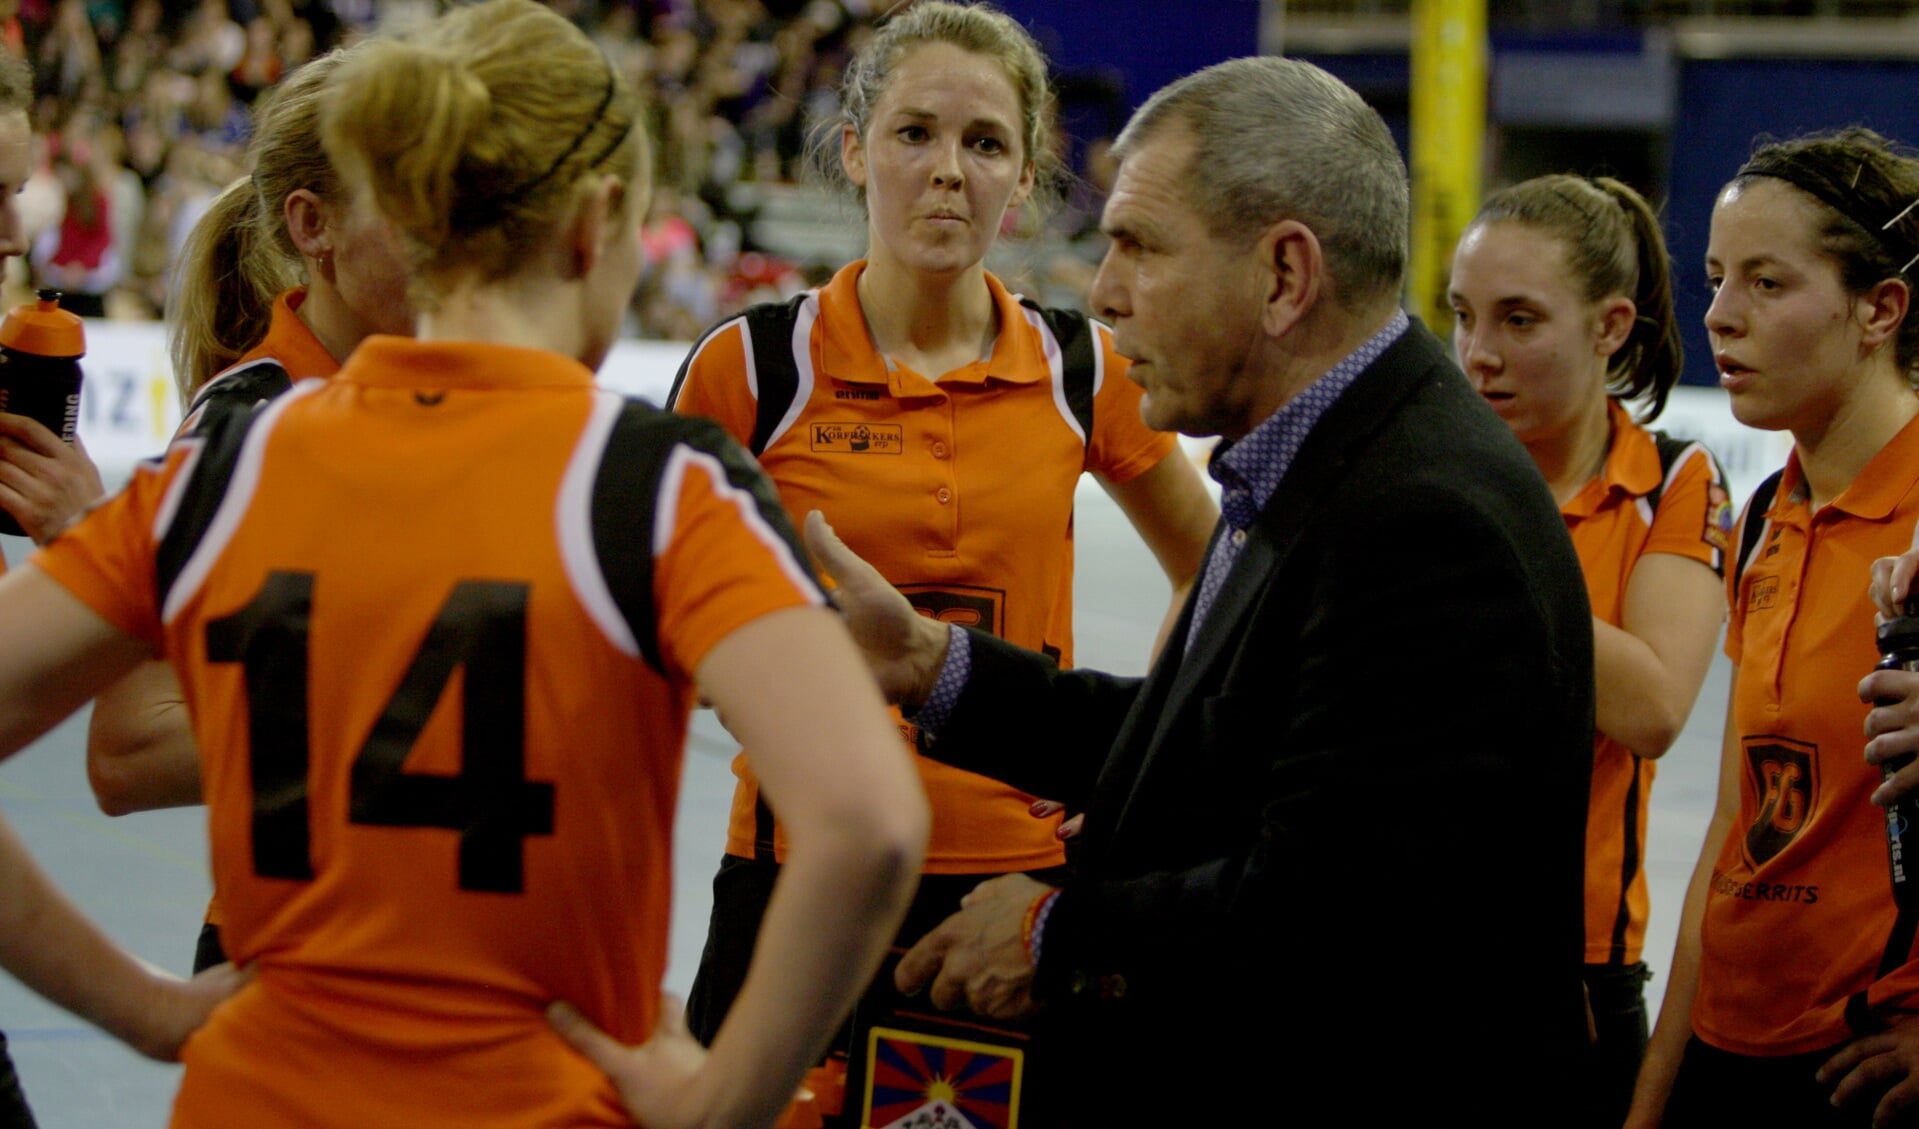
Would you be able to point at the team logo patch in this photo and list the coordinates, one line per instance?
(980, 608)
(1785, 777)
(859, 438)
(921, 1081)
(1763, 592)
(1719, 518)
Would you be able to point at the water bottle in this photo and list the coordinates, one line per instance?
(1899, 650)
(40, 350)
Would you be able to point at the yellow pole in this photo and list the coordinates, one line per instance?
(1448, 132)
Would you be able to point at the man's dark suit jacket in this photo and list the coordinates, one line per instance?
(1332, 851)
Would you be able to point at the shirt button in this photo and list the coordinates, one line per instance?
(939, 450)
(1239, 537)
(944, 495)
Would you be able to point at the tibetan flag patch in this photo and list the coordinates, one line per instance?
(924, 1081)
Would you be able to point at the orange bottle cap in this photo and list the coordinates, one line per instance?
(44, 329)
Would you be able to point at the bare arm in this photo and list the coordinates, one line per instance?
(1174, 514)
(58, 653)
(141, 752)
(1649, 670)
(52, 948)
(792, 687)
(1668, 1044)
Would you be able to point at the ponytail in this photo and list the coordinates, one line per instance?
(1647, 366)
(224, 285)
(1613, 247)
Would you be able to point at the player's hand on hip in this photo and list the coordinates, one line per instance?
(903, 648)
(178, 1008)
(657, 1079)
(978, 957)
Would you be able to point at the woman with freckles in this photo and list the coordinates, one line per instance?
(1794, 963)
(1562, 300)
(939, 421)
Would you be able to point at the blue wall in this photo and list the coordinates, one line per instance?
(1148, 42)
(1723, 105)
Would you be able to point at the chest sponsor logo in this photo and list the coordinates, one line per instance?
(1763, 594)
(858, 438)
(1785, 777)
(979, 608)
(855, 394)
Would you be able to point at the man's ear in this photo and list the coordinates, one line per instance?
(1292, 272)
(308, 224)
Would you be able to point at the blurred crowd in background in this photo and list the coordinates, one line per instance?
(144, 107)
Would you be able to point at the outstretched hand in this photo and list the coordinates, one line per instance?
(978, 957)
(903, 648)
(44, 483)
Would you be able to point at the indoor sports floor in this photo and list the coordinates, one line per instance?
(144, 876)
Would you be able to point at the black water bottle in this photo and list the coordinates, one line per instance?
(1899, 650)
(40, 350)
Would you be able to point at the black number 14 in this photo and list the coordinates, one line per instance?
(491, 803)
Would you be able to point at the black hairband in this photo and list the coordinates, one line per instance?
(477, 216)
(1786, 169)
(592, 123)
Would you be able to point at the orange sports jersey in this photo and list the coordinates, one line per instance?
(960, 492)
(1800, 909)
(289, 346)
(1613, 524)
(288, 350)
(436, 620)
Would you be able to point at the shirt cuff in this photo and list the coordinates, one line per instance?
(954, 672)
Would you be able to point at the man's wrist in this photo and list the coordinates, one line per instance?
(1032, 931)
(956, 665)
(937, 645)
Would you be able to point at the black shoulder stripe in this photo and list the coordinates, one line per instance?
(686, 365)
(243, 387)
(1756, 518)
(1670, 449)
(770, 328)
(222, 432)
(1078, 347)
(626, 488)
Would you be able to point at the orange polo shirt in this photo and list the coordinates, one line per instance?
(441, 775)
(291, 345)
(1800, 906)
(1613, 525)
(959, 491)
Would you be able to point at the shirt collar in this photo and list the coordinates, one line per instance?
(402, 362)
(846, 351)
(1631, 468)
(1880, 487)
(1251, 469)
